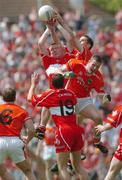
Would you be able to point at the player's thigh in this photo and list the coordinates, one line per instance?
(80, 118)
(82, 103)
(16, 152)
(3, 149)
(90, 111)
(62, 158)
(116, 165)
(25, 166)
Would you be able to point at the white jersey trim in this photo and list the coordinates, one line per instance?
(64, 139)
(53, 68)
(57, 110)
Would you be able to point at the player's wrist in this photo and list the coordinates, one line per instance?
(102, 128)
(33, 86)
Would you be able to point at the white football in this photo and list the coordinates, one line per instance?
(46, 13)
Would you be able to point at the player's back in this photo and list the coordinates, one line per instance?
(61, 104)
(12, 118)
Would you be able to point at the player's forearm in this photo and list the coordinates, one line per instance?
(31, 134)
(30, 130)
(43, 38)
(45, 115)
(69, 35)
(54, 36)
(31, 92)
(101, 128)
(107, 127)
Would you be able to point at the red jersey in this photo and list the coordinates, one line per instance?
(85, 56)
(61, 104)
(68, 136)
(51, 64)
(12, 119)
(83, 83)
(115, 119)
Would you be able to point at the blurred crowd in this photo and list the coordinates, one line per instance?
(19, 58)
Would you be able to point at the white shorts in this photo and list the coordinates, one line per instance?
(82, 103)
(11, 147)
(49, 153)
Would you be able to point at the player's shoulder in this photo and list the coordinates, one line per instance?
(48, 92)
(19, 109)
(69, 92)
(98, 75)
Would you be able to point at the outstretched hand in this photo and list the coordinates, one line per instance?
(99, 129)
(58, 18)
(35, 79)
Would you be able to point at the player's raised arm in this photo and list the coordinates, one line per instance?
(43, 41)
(69, 35)
(34, 82)
(102, 128)
(30, 129)
(52, 29)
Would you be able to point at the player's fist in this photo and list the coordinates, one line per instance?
(35, 78)
(40, 132)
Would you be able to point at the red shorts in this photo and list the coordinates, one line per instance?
(118, 152)
(69, 138)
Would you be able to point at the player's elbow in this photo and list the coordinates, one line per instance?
(39, 45)
(31, 132)
(29, 98)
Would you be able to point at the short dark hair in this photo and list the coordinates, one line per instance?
(97, 58)
(9, 94)
(89, 41)
(58, 81)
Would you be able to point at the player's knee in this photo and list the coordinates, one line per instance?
(97, 119)
(27, 170)
(2, 172)
(62, 167)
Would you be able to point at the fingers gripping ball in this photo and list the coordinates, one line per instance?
(46, 13)
(40, 132)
